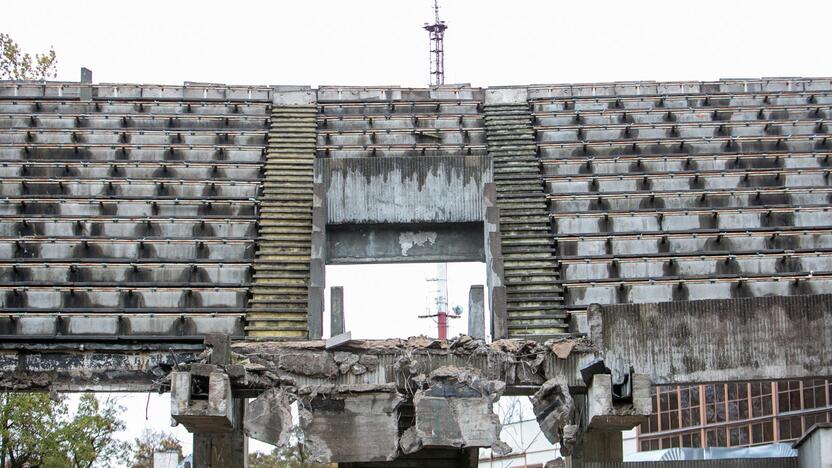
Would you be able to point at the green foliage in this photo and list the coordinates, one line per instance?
(36, 431)
(150, 442)
(15, 65)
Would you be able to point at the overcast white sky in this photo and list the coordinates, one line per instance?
(366, 42)
(378, 42)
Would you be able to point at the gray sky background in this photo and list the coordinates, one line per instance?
(380, 42)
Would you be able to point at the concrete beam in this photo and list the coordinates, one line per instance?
(294, 96)
(522, 365)
(356, 244)
(716, 340)
(91, 367)
(502, 96)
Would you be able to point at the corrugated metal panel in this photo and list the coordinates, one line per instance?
(736, 463)
(404, 190)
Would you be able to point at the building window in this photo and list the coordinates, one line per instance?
(738, 436)
(788, 396)
(814, 394)
(760, 399)
(669, 408)
(714, 403)
(790, 428)
(735, 414)
(737, 401)
(716, 437)
(762, 433)
(689, 407)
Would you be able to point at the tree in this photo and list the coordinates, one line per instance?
(294, 455)
(28, 429)
(36, 431)
(15, 65)
(89, 438)
(152, 441)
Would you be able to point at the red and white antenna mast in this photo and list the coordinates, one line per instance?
(436, 32)
(440, 310)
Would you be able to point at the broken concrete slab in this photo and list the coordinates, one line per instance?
(338, 340)
(268, 418)
(456, 410)
(350, 427)
(554, 409)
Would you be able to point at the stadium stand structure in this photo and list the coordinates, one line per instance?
(171, 214)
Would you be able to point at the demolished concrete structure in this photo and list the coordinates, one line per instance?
(632, 233)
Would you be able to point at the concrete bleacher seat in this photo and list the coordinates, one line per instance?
(689, 190)
(141, 200)
(396, 122)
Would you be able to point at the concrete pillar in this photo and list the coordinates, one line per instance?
(223, 449)
(85, 88)
(317, 265)
(476, 312)
(494, 264)
(336, 310)
(598, 446)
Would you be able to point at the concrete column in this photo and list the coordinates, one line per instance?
(599, 446)
(317, 265)
(223, 449)
(336, 310)
(476, 312)
(494, 264)
(85, 88)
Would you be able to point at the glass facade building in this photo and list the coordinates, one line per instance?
(735, 414)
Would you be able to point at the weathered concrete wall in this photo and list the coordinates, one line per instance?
(404, 190)
(717, 340)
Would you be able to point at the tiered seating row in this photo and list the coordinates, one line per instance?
(707, 192)
(133, 204)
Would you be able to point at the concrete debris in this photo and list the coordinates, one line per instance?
(554, 409)
(268, 418)
(329, 423)
(456, 410)
(556, 463)
(17, 381)
(501, 448)
(410, 442)
(369, 361)
(317, 364)
(345, 361)
(563, 349)
(338, 340)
